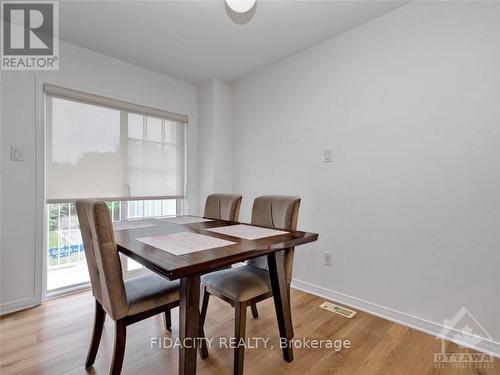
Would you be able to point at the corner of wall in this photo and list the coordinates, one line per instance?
(214, 138)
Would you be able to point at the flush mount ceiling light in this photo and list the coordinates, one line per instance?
(240, 6)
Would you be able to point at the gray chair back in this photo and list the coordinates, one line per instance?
(103, 260)
(223, 207)
(278, 212)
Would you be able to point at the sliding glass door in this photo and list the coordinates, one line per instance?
(130, 156)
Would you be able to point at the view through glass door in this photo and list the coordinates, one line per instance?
(66, 265)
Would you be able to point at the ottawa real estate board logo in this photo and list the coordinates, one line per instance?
(465, 329)
(30, 35)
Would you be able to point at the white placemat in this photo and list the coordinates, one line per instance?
(184, 219)
(124, 225)
(247, 232)
(184, 242)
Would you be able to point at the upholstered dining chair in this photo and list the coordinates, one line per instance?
(223, 207)
(246, 285)
(124, 301)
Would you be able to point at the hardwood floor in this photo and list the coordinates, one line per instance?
(53, 339)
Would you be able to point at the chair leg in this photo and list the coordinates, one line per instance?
(203, 315)
(255, 312)
(167, 320)
(119, 351)
(99, 318)
(288, 287)
(240, 320)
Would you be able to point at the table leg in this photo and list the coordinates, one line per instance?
(189, 316)
(276, 264)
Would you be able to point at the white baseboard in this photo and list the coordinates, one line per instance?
(486, 345)
(18, 305)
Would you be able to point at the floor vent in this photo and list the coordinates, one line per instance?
(344, 311)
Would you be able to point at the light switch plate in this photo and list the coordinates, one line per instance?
(16, 154)
(327, 156)
(327, 258)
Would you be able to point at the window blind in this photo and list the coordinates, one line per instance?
(98, 147)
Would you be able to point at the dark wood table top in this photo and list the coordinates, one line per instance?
(178, 266)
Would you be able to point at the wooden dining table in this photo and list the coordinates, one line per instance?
(189, 267)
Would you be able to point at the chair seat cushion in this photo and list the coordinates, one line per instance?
(148, 291)
(239, 283)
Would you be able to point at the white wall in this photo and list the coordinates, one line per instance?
(214, 139)
(410, 207)
(17, 276)
(222, 135)
(86, 71)
(205, 144)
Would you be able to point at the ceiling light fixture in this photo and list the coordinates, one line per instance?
(240, 6)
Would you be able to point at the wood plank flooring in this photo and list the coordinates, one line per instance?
(53, 339)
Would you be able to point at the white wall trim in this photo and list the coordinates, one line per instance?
(40, 207)
(486, 345)
(18, 305)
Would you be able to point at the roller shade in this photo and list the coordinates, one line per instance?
(98, 147)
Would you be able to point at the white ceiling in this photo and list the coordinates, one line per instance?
(196, 40)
